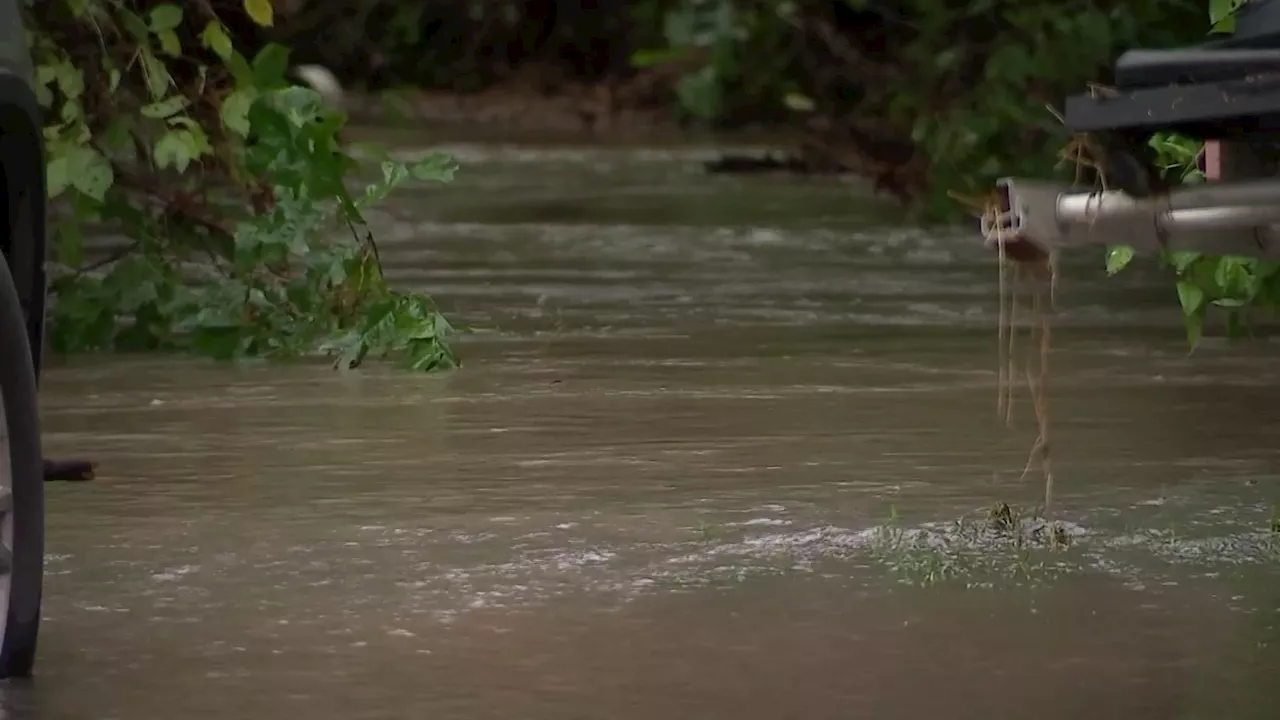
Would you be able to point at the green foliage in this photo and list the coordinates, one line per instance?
(923, 96)
(1222, 14)
(736, 55)
(930, 96)
(245, 237)
(1232, 285)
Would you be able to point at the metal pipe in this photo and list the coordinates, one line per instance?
(1090, 206)
(1219, 218)
(1246, 222)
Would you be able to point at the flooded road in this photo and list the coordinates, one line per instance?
(706, 459)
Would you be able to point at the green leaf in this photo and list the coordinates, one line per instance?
(70, 80)
(300, 105)
(165, 17)
(260, 11)
(641, 59)
(435, 167)
(235, 111)
(175, 149)
(1118, 257)
(1222, 14)
(157, 74)
(216, 39)
(1194, 326)
(798, 102)
(1181, 260)
(1191, 297)
(89, 172)
(135, 27)
(169, 43)
(56, 177)
(270, 65)
(165, 108)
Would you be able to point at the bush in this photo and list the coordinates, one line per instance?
(1232, 285)
(244, 237)
(926, 97)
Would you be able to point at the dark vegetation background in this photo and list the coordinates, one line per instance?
(919, 95)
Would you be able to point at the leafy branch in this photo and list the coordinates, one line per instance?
(245, 236)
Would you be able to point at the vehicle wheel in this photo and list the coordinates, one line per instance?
(21, 490)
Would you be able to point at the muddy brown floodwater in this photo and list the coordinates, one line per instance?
(660, 487)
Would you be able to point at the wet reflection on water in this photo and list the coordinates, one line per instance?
(655, 489)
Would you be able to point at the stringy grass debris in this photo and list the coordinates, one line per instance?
(1037, 281)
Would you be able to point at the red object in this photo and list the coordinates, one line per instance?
(1212, 160)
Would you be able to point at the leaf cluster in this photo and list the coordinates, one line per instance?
(1233, 286)
(240, 216)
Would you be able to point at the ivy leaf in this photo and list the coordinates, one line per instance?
(44, 96)
(436, 167)
(165, 108)
(1118, 257)
(1194, 326)
(260, 11)
(1183, 259)
(235, 112)
(216, 39)
(89, 172)
(135, 26)
(156, 73)
(1222, 15)
(1191, 297)
(270, 65)
(169, 43)
(70, 79)
(175, 149)
(165, 18)
(1228, 274)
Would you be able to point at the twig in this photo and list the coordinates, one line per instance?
(1011, 356)
(1038, 383)
(114, 256)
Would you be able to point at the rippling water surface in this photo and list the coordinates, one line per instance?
(712, 437)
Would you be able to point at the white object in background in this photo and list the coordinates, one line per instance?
(320, 79)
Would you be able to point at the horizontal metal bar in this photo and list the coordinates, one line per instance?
(1164, 107)
(1052, 218)
(1220, 218)
(1155, 68)
(1089, 206)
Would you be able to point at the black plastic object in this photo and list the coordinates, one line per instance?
(23, 500)
(69, 470)
(1226, 89)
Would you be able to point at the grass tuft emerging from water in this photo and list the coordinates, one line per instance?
(1002, 545)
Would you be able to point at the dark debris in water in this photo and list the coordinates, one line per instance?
(1004, 544)
(1001, 545)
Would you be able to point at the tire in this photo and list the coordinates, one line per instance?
(21, 489)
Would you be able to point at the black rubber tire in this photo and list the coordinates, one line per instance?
(22, 418)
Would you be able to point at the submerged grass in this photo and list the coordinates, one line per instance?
(1008, 545)
(1004, 544)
